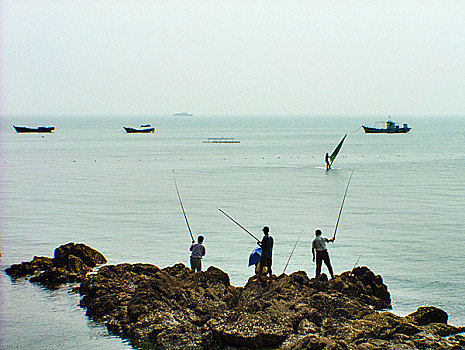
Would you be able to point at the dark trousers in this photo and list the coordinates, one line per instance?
(196, 264)
(320, 257)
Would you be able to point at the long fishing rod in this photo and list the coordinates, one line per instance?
(238, 224)
(292, 252)
(342, 205)
(352, 271)
(182, 207)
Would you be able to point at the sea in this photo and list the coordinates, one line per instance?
(90, 182)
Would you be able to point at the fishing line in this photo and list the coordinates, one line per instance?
(353, 132)
(292, 252)
(352, 271)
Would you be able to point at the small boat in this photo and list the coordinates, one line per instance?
(391, 128)
(182, 114)
(146, 128)
(221, 140)
(24, 129)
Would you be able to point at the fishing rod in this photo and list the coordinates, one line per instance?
(182, 207)
(238, 224)
(352, 271)
(342, 205)
(292, 252)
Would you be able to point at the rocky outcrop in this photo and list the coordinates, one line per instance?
(71, 263)
(428, 314)
(30, 268)
(89, 256)
(173, 308)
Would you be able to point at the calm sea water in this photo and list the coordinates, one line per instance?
(90, 182)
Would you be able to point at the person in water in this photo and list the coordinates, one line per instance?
(198, 251)
(267, 254)
(320, 252)
(328, 164)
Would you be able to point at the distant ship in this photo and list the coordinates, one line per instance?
(24, 129)
(391, 128)
(182, 114)
(146, 128)
(221, 140)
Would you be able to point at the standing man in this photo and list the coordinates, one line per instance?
(328, 164)
(198, 251)
(267, 254)
(319, 247)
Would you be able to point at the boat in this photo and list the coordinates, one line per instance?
(24, 129)
(221, 140)
(182, 114)
(391, 128)
(145, 128)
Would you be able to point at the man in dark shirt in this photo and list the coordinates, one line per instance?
(328, 164)
(267, 253)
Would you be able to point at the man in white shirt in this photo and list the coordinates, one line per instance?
(198, 251)
(319, 250)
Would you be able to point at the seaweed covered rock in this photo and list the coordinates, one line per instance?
(89, 256)
(173, 308)
(249, 330)
(361, 283)
(151, 305)
(428, 314)
(30, 268)
(71, 263)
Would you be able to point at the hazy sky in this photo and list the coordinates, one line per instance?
(106, 57)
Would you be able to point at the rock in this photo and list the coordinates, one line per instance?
(54, 276)
(443, 330)
(364, 285)
(428, 314)
(173, 308)
(246, 330)
(71, 263)
(76, 265)
(89, 256)
(314, 342)
(306, 327)
(33, 267)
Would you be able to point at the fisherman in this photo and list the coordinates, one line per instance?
(319, 249)
(267, 254)
(198, 251)
(328, 164)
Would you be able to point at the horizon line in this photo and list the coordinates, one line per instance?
(227, 115)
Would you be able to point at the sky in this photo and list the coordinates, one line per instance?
(122, 57)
